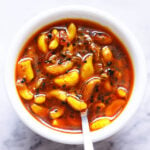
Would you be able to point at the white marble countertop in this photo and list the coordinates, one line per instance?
(14, 135)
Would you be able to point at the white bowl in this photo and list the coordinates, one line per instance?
(87, 13)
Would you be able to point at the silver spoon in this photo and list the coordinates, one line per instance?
(88, 145)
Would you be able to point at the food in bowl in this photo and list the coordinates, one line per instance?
(72, 65)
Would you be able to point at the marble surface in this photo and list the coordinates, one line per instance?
(14, 135)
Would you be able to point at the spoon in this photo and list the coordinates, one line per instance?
(88, 145)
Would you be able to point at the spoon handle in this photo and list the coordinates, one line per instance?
(88, 145)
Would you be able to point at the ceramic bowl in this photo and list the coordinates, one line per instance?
(104, 19)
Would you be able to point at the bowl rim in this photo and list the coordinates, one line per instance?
(139, 66)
